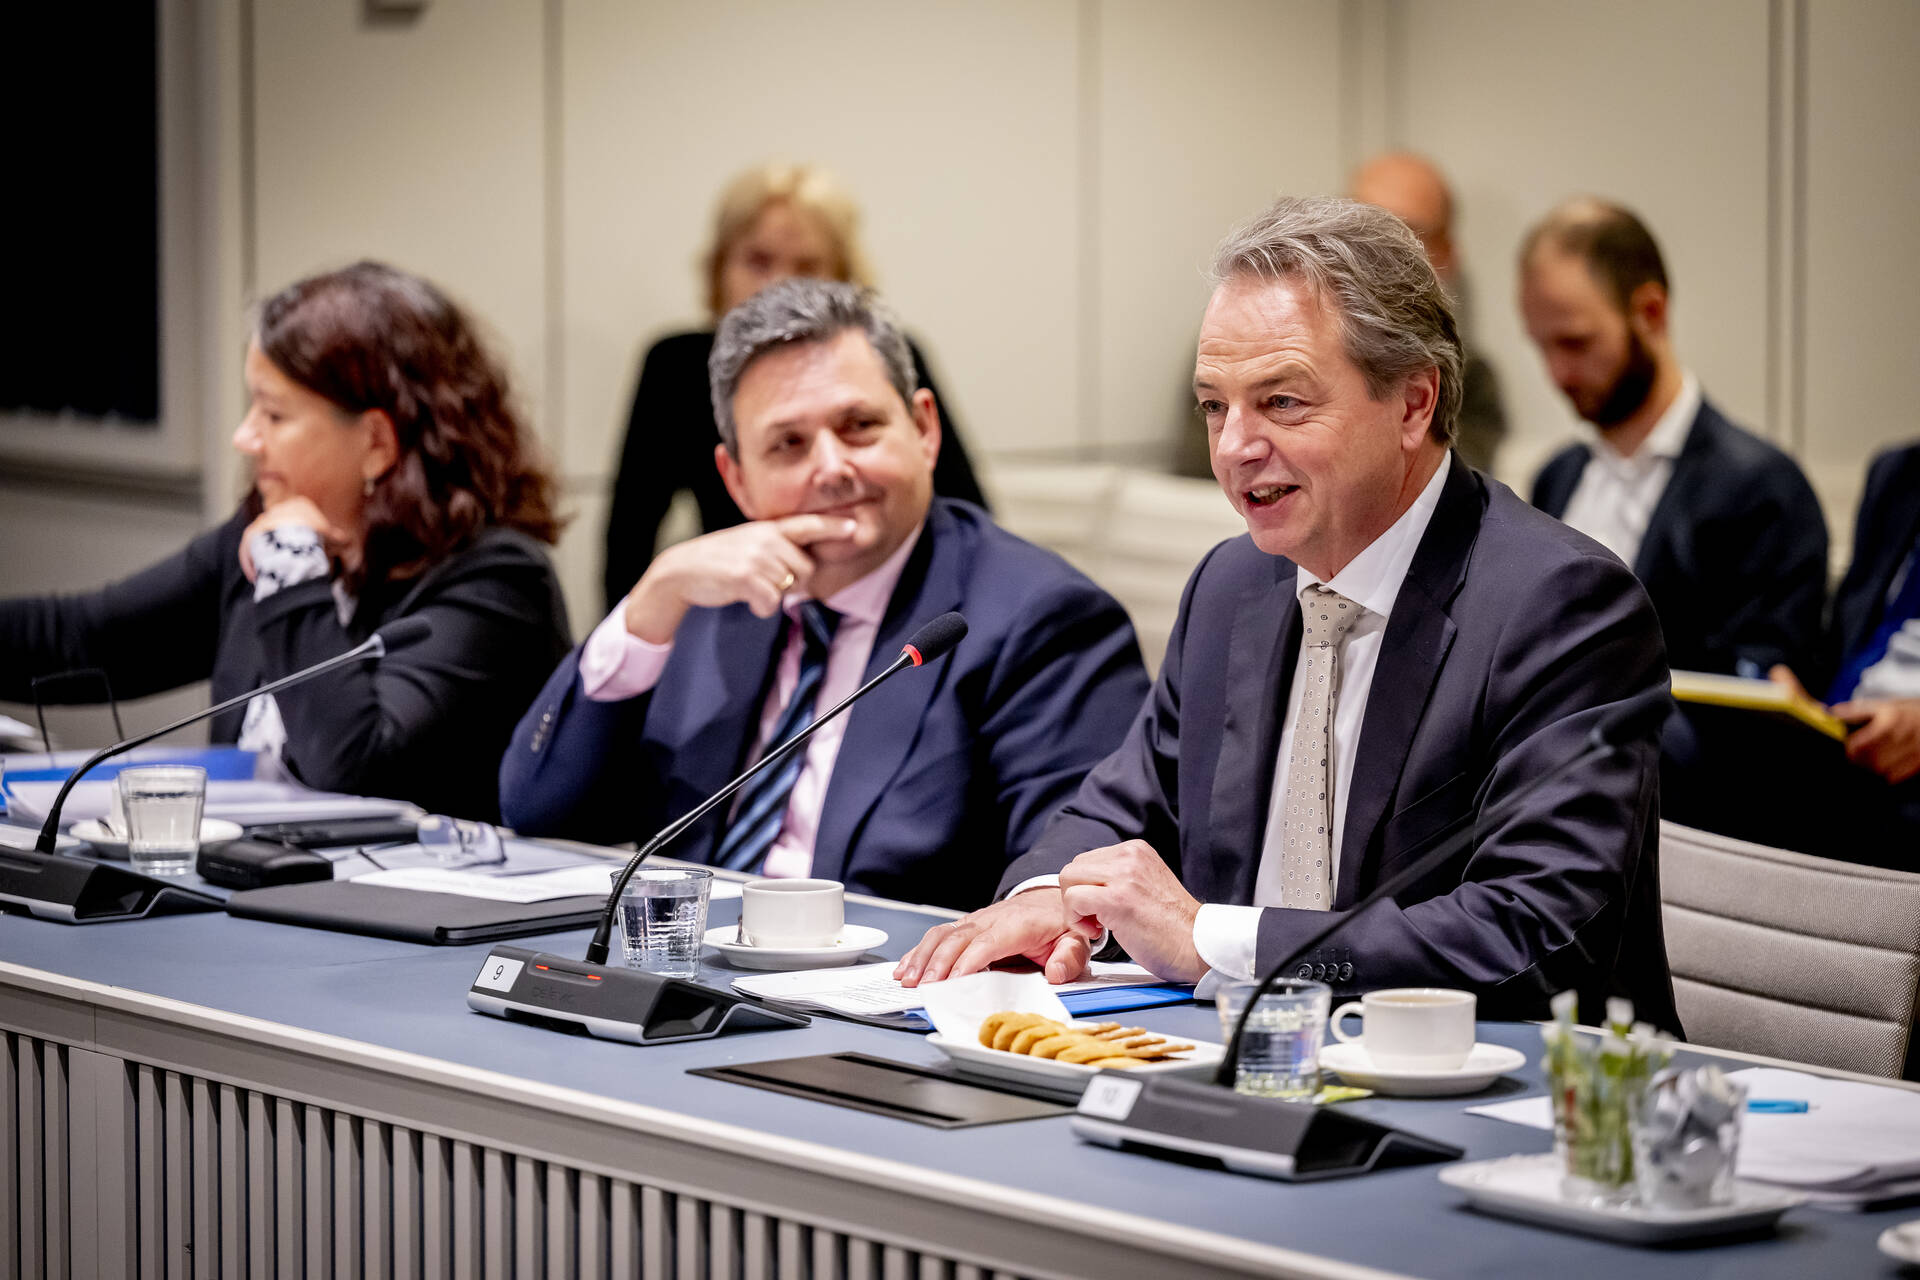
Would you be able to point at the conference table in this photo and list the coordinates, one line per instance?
(202, 1095)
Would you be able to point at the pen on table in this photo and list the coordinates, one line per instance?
(1776, 1106)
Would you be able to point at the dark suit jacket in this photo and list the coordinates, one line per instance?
(1511, 640)
(669, 447)
(1774, 783)
(1883, 537)
(427, 723)
(1735, 555)
(942, 773)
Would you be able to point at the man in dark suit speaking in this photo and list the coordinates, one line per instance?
(730, 642)
(1395, 647)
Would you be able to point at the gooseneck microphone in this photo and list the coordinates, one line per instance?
(395, 635)
(931, 641)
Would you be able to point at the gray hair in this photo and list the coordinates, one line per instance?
(1395, 317)
(794, 311)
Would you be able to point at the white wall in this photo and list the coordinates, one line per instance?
(1043, 180)
(1525, 105)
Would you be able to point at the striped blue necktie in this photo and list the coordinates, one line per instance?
(762, 807)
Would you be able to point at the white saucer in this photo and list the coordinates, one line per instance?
(1487, 1063)
(855, 941)
(212, 831)
(1902, 1241)
(1528, 1188)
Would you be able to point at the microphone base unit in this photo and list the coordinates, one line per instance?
(70, 890)
(1267, 1137)
(613, 1003)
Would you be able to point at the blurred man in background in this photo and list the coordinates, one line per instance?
(1412, 189)
(1721, 526)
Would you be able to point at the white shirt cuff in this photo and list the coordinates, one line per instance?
(284, 556)
(616, 664)
(1037, 882)
(1226, 937)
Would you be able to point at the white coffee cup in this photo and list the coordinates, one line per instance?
(1412, 1028)
(792, 913)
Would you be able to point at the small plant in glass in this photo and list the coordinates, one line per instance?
(1595, 1083)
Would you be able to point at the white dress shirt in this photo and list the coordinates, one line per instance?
(1897, 675)
(616, 664)
(1225, 935)
(1615, 498)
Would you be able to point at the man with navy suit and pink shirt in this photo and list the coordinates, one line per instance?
(731, 642)
(1398, 648)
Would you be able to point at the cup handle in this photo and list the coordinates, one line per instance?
(1356, 1009)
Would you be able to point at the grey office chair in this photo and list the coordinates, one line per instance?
(1792, 956)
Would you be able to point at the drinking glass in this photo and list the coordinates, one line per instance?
(1280, 1049)
(163, 804)
(663, 916)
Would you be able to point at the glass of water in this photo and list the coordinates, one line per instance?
(163, 804)
(663, 916)
(1280, 1049)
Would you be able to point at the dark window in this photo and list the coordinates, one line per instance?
(80, 313)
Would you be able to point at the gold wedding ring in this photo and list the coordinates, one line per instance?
(786, 582)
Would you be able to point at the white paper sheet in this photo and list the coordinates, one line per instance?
(958, 1006)
(541, 886)
(247, 802)
(871, 989)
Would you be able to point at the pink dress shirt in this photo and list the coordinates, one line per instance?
(617, 664)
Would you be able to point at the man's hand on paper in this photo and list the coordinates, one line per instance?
(1031, 924)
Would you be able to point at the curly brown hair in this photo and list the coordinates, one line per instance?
(370, 336)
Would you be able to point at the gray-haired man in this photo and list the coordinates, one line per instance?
(730, 642)
(1398, 648)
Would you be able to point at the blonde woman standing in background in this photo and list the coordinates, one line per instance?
(774, 222)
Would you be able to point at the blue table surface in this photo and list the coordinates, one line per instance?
(413, 998)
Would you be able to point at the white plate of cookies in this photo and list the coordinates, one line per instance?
(1040, 1049)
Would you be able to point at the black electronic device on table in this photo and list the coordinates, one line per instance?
(253, 864)
(75, 890)
(614, 1004)
(338, 833)
(646, 1008)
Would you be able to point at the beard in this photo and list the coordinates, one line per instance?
(1630, 388)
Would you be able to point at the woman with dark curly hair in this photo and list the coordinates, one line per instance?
(391, 478)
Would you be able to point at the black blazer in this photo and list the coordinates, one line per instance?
(1511, 641)
(669, 446)
(427, 723)
(943, 773)
(1883, 537)
(1735, 555)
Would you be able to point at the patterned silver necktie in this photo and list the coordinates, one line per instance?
(1306, 867)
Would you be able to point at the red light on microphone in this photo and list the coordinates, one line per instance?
(913, 653)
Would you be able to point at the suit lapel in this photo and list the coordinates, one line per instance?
(1419, 634)
(1669, 529)
(882, 729)
(1261, 654)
